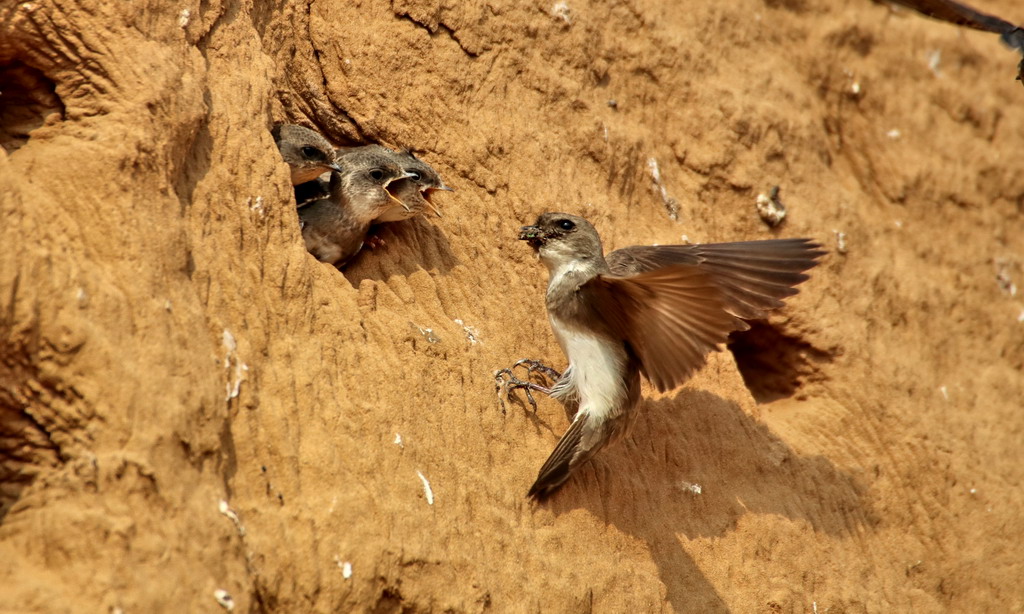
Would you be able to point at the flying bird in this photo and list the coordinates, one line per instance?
(651, 310)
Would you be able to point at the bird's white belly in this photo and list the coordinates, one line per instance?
(597, 368)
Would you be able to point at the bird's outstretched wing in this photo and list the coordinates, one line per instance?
(963, 15)
(671, 318)
(960, 14)
(753, 276)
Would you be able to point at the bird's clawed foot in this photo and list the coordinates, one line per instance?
(505, 380)
(374, 241)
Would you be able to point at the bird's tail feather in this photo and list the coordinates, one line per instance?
(559, 466)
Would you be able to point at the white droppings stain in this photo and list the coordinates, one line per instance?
(426, 488)
(398, 441)
(693, 489)
(226, 510)
(235, 379)
(671, 205)
(934, 57)
(894, 134)
(224, 599)
(183, 17)
(472, 334)
(855, 88)
(561, 11)
(229, 344)
(344, 566)
(770, 208)
(1003, 277)
(840, 241)
(945, 392)
(234, 388)
(428, 334)
(652, 166)
(257, 205)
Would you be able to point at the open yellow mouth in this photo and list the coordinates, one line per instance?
(426, 193)
(396, 199)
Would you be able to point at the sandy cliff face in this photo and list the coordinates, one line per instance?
(167, 343)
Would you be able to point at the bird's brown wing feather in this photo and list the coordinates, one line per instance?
(671, 317)
(640, 258)
(960, 14)
(753, 276)
(561, 462)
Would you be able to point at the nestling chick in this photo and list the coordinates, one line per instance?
(334, 228)
(307, 153)
(415, 191)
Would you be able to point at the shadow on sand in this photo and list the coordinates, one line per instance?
(640, 486)
(408, 247)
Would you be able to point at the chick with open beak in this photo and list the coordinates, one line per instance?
(307, 153)
(367, 180)
(335, 227)
(412, 191)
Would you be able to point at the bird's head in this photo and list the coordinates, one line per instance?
(307, 153)
(563, 239)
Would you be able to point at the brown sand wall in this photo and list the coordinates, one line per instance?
(167, 344)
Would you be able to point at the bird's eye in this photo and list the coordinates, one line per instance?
(377, 174)
(566, 224)
(311, 152)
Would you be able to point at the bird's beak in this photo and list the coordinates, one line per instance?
(407, 175)
(426, 192)
(396, 199)
(533, 235)
(392, 196)
(334, 167)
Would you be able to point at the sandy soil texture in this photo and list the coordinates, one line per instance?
(190, 403)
